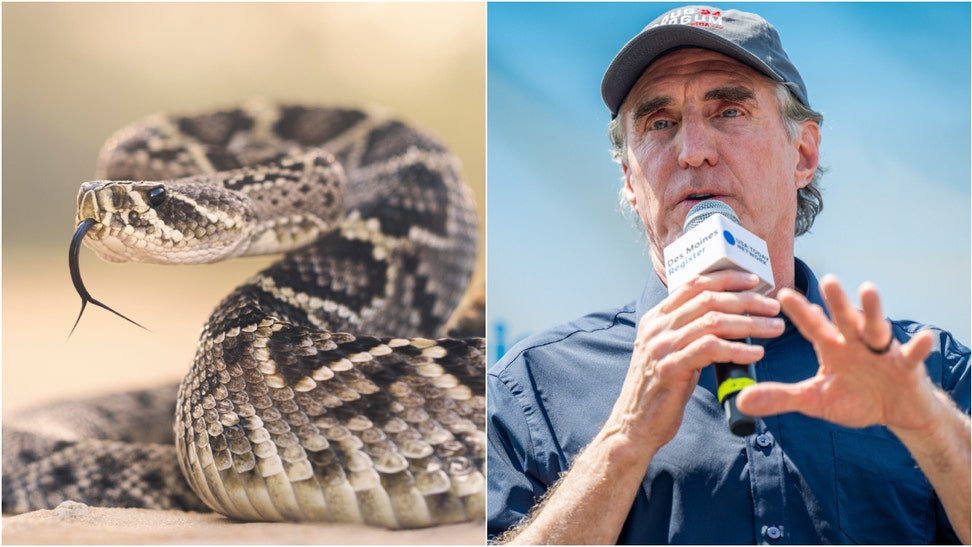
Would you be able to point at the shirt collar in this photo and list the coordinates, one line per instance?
(654, 292)
(806, 282)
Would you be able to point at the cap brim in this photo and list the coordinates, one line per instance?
(645, 48)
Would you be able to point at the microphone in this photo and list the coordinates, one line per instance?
(713, 240)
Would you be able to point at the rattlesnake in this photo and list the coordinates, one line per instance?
(319, 390)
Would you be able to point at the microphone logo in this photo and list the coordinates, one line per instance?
(700, 249)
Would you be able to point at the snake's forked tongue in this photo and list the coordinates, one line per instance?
(73, 252)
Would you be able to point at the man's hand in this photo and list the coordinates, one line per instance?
(865, 377)
(698, 324)
(683, 334)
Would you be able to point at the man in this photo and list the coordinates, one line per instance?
(608, 429)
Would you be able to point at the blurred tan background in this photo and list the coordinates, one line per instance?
(74, 73)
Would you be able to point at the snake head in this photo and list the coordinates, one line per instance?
(182, 222)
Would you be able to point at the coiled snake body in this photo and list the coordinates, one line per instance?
(319, 390)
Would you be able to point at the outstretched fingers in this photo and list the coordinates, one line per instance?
(846, 324)
(808, 318)
(845, 316)
(875, 331)
(864, 377)
(866, 325)
(915, 351)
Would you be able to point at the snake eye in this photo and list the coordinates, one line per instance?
(156, 196)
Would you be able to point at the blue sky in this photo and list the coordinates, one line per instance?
(892, 81)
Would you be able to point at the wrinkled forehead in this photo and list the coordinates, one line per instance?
(696, 67)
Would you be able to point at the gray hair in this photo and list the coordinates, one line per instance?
(794, 113)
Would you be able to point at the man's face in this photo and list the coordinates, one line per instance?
(700, 125)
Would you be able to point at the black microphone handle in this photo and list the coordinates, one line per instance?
(730, 380)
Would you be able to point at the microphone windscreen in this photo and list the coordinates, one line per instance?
(703, 210)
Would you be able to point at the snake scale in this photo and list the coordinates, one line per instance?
(324, 388)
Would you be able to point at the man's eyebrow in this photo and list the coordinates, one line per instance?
(732, 94)
(649, 107)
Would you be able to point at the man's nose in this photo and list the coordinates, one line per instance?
(696, 144)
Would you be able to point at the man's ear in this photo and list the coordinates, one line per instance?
(808, 148)
(628, 190)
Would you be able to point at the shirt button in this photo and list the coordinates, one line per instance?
(773, 532)
(764, 440)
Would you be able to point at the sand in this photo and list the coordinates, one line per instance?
(80, 524)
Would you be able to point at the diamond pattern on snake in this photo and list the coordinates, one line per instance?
(331, 386)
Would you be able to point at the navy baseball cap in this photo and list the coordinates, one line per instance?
(746, 37)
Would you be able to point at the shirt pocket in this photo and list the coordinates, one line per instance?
(882, 496)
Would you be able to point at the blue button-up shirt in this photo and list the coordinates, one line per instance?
(796, 480)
